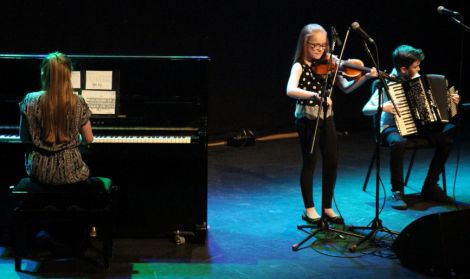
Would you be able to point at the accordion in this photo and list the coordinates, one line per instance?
(424, 104)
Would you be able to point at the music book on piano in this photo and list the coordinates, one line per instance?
(100, 89)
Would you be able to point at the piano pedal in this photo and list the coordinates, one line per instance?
(93, 232)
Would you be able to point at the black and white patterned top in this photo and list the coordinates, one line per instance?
(311, 82)
(57, 163)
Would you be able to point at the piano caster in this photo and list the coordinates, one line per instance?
(180, 236)
(179, 239)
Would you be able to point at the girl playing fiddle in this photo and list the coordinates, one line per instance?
(306, 87)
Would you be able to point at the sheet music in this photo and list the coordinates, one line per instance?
(100, 101)
(102, 80)
(452, 105)
(76, 78)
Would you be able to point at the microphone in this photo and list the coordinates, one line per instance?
(335, 36)
(355, 26)
(444, 11)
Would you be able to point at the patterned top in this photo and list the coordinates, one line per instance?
(56, 163)
(314, 83)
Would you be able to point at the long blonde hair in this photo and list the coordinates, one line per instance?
(58, 103)
(307, 31)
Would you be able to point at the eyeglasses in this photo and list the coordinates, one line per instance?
(316, 46)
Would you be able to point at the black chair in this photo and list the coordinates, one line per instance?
(414, 150)
(82, 205)
(412, 146)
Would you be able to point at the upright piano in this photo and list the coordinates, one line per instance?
(152, 144)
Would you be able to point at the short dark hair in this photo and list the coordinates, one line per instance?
(405, 55)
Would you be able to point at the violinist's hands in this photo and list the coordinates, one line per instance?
(455, 98)
(388, 107)
(373, 73)
(329, 101)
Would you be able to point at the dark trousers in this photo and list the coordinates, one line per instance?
(441, 143)
(327, 146)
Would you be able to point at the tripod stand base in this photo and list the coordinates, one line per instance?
(322, 226)
(375, 227)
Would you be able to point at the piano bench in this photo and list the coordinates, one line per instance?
(65, 214)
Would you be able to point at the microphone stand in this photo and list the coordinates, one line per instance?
(376, 224)
(460, 22)
(322, 225)
(461, 86)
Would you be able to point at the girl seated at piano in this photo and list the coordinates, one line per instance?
(53, 120)
(306, 86)
(407, 61)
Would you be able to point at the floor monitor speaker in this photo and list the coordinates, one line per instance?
(437, 244)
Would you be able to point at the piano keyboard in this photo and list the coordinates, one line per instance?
(9, 138)
(143, 139)
(121, 139)
(405, 123)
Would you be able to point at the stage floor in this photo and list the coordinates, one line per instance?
(254, 207)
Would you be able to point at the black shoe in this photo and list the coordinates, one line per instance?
(435, 193)
(398, 200)
(335, 220)
(307, 219)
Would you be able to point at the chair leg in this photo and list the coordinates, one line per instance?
(107, 251)
(107, 239)
(369, 170)
(17, 263)
(444, 181)
(410, 166)
(19, 240)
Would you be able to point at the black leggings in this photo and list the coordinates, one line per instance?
(326, 144)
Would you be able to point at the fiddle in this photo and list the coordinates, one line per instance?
(351, 68)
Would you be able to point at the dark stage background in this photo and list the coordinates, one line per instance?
(250, 43)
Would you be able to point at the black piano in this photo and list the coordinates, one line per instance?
(153, 144)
